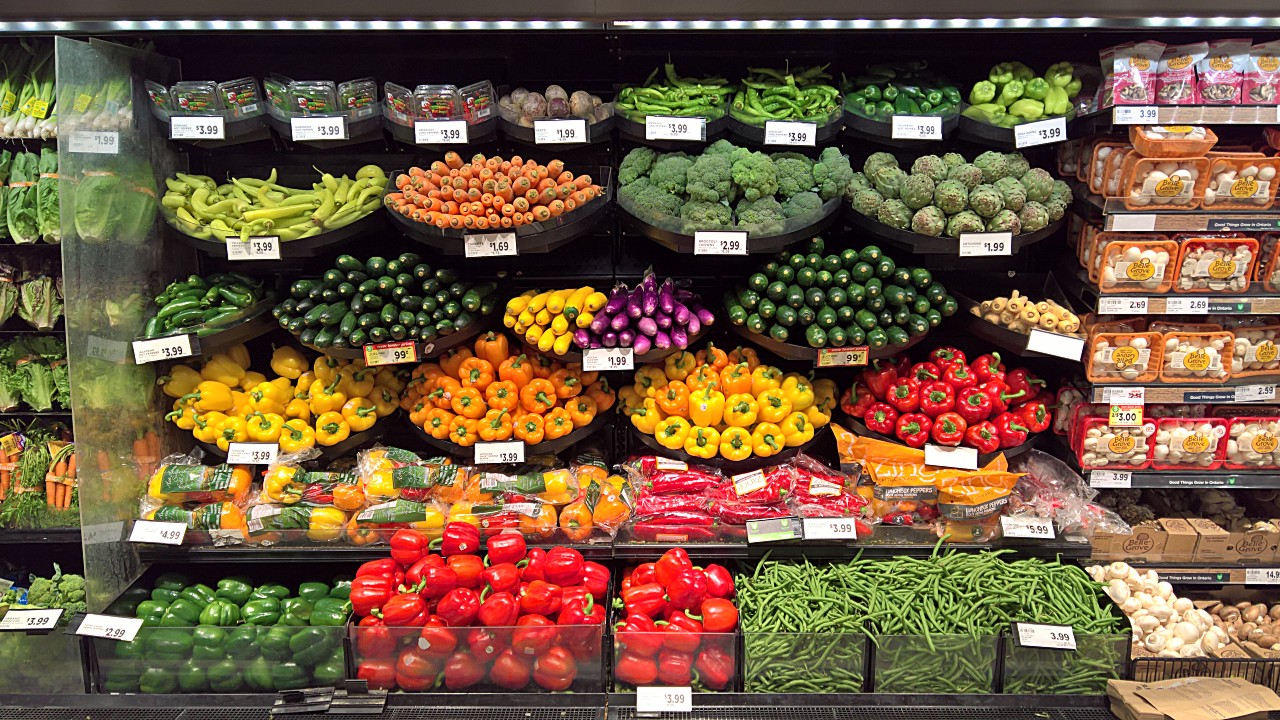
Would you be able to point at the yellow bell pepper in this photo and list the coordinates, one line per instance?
(767, 440)
(390, 378)
(296, 436)
(206, 427)
(649, 379)
(773, 405)
(629, 400)
(672, 432)
(765, 377)
(264, 398)
(276, 483)
(702, 442)
(222, 369)
(232, 429)
(819, 413)
(679, 365)
(385, 400)
(326, 524)
(356, 382)
(740, 410)
(239, 354)
(297, 408)
(325, 396)
(183, 415)
(331, 429)
(432, 522)
(210, 395)
(325, 368)
(735, 443)
(381, 483)
(241, 404)
(265, 427)
(825, 393)
(301, 387)
(706, 406)
(251, 380)
(359, 413)
(287, 362)
(796, 429)
(180, 381)
(798, 390)
(647, 416)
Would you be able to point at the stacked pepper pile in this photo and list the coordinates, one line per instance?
(677, 625)
(224, 401)
(905, 88)
(728, 404)
(1012, 94)
(980, 404)
(235, 636)
(454, 620)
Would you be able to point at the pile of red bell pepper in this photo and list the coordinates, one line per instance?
(455, 620)
(948, 401)
(677, 625)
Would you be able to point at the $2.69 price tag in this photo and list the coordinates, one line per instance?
(490, 245)
(1053, 637)
(495, 453)
(654, 700)
(168, 348)
(252, 453)
(31, 619)
(392, 353)
(1040, 133)
(986, 244)
(111, 627)
(719, 242)
(161, 533)
(1035, 528)
(197, 127)
(263, 247)
(602, 359)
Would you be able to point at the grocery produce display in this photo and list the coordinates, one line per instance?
(901, 88)
(665, 92)
(204, 305)
(30, 196)
(1013, 94)
(30, 109)
(1020, 314)
(806, 94)
(41, 488)
(522, 106)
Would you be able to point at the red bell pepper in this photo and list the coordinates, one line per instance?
(459, 539)
(944, 357)
(719, 581)
(719, 615)
(370, 592)
(676, 636)
(595, 578)
(498, 610)
(486, 643)
(670, 564)
(937, 398)
(555, 669)
(675, 667)
(634, 669)
(987, 367)
(638, 634)
(408, 546)
(715, 667)
(437, 581)
(579, 608)
(855, 400)
(386, 567)
(535, 566)
(1037, 416)
(417, 671)
(540, 598)
(959, 377)
(1000, 395)
(437, 641)
(644, 573)
(880, 377)
(407, 610)
(510, 670)
(1022, 379)
(468, 569)
(564, 566)
(913, 429)
(973, 404)
(413, 576)
(462, 671)
(948, 429)
(687, 590)
(459, 608)
(1010, 429)
(533, 634)
(506, 547)
(374, 640)
(984, 436)
(379, 673)
(881, 418)
(924, 372)
(904, 396)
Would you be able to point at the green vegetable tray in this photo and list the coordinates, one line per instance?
(426, 348)
(1084, 671)
(729, 466)
(864, 128)
(477, 133)
(313, 246)
(857, 428)
(790, 351)
(748, 132)
(256, 321)
(332, 452)
(671, 233)
(928, 245)
(546, 447)
(985, 133)
(235, 131)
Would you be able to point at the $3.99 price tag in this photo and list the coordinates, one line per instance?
(719, 242)
(490, 245)
(986, 244)
(1124, 416)
(31, 619)
(439, 132)
(665, 127)
(264, 247)
(1040, 133)
(655, 700)
(197, 127)
(782, 132)
(392, 353)
(603, 359)
(111, 627)
(318, 128)
(495, 453)
(1053, 637)
(1134, 114)
(1035, 528)
(830, 529)
(912, 127)
(252, 453)
(169, 348)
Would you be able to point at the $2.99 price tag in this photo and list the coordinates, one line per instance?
(169, 348)
(111, 627)
(1053, 637)
(161, 533)
(1035, 528)
(719, 242)
(197, 127)
(495, 453)
(830, 529)
(603, 359)
(783, 132)
(986, 244)
(490, 245)
(1124, 415)
(263, 247)
(655, 700)
(31, 619)
(1040, 133)
(252, 453)
(392, 353)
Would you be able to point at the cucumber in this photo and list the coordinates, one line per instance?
(333, 276)
(825, 279)
(347, 263)
(376, 266)
(409, 259)
(785, 316)
(795, 296)
(366, 321)
(826, 318)
(806, 277)
(389, 315)
(779, 333)
(755, 323)
(836, 337)
(815, 298)
(837, 297)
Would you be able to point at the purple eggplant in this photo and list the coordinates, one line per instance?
(642, 345)
(595, 343)
(626, 338)
(649, 300)
(681, 314)
(679, 338)
(666, 296)
(684, 295)
(647, 326)
(581, 337)
(609, 339)
(694, 326)
(617, 300)
(635, 307)
(663, 320)
(620, 322)
(600, 322)
(704, 315)
(662, 341)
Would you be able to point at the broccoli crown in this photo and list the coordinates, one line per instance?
(636, 164)
(795, 174)
(754, 173)
(644, 195)
(43, 593)
(670, 172)
(801, 203)
(72, 588)
(702, 215)
(710, 179)
(720, 147)
(765, 212)
(834, 175)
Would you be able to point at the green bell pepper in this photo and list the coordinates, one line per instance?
(172, 581)
(181, 613)
(163, 595)
(242, 642)
(311, 646)
(289, 676)
(1060, 74)
(127, 603)
(1035, 89)
(207, 643)
(235, 589)
(150, 612)
(225, 677)
(261, 611)
(982, 92)
(890, 93)
(273, 590)
(257, 675)
(331, 612)
(157, 681)
(1011, 91)
(332, 671)
(169, 644)
(275, 642)
(1001, 73)
(871, 93)
(135, 649)
(120, 681)
(221, 613)
(313, 591)
(295, 611)
(199, 594)
(1027, 109)
(192, 677)
(341, 587)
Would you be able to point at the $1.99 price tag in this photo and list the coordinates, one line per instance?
(719, 242)
(1053, 637)
(252, 453)
(1035, 528)
(111, 627)
(603, 359)
(496, 453)
(392, 353)
(986, 244)
(655, 700)
(169, 348)
(197, 127)
(490, 245)
(559, 132)
(31, 619)
(263, 247)
(1124, 416)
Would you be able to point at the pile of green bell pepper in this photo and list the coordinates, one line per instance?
(907, 88)
(671, 94)
(235, 637)
(1012, 94)
(806, 94)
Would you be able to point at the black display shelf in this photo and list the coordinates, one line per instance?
(886, 542)
(44, 536)
(257, 323)
(597, 133)
(791, 351)
(926, 245)
(1042, 287)
(629, 129)
(426, 348)
(824, 134)
(1222, 478)
(881, 133)
(314, 246)
(331, 452)
(1002, 138)
(485, 131)
(236, 131)
(858, 428)
(683, 243)
(874, 706)
(364, 130)
(546, 447)
(728, 466)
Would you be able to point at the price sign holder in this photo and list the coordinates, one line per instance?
(392, 353)
(913, 127)
(1113, 305)
(197, 127)
(720, 242)
(604, 359)
(560, 131)
(490, 245)
(1036, 635)
(309, 129)
(961, 458)
(109, 627)
(665, 127)
(32, 622)
(1055, 344)
(1255, 393)
(95, 142)
(830, 529)
(1186, 306)
(1262, 576)
(658, 700)
(1110, 479)
(986, 244)
(855, 356)
(252, 453)
(774, 530)
(440, 132)
(1041, 132)
(262, 247)
(165, 348)
(784, 132)
(495, 453)
(1035, 528)
(105, 349)
(160, 533)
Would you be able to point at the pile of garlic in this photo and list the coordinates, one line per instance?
(1255, 350)
(1163, 624)
(1217, 268)
(1238, 185)
(1194, 356)
(1128, 268)
(1165, 183)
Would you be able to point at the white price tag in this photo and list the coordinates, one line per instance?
(265, 247)
(252, 453)
(1040, 132)
(1186, 306)
(1262, 576)
(654, 700)
(1103, 479)
(1134, 114)
(492, 453)
(392, 353)
(100, 533)
(1054, 637)
(747, 483)
(601, 359)
(910, 127)
(1049, 343)
(161, 533)
(1132, 222)
(785, 132)
(961, 458)
(1122, 416)
(490, 245)
(672, 465)
(318, 128)
(440, 132)
(99, 142)
(109, 350)
(559, 132)
(985, 244)
(830, 529)
(31, 619)
(166, 348)
(665, 127)
(1124, 395)
(111, 627)
(1024, 527)
(197, 127)
(1255, 393)
(720, 242)
(1111, 305)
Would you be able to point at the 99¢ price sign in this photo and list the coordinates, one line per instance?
(855, 356)
(392, 353)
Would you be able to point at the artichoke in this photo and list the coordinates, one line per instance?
(867, 202)
(916, 191)
(859, 182)
(877, 160)
(952, 159)
(993, 166)
(930, 165)
(1005, 221)
(968, 175)
(1034, 216)
(930, 221)
(895, 214)
(985, 201)
(1039, 184)
(1012, 192)
(951, 196)
(964, 222)
(1016, 164)
(888, 180)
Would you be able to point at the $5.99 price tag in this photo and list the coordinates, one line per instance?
(197, 127)
(110, 627)
(1053, 637)
(719, 242)
(603, 359)
(490, 245)
(495, 453)
(1124, 415)
(1040, 133)
(986, 244)
(161, 533)
(264, 247)
(170, 348)
(392, 353)
(1027, 527)
(31, 619)
(781, 132)
(655, 700)
(252, 453)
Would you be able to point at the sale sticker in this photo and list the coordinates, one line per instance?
(843, 357)
(392, 353)
(1124, 415)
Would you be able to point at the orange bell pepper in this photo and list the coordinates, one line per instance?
(567, 383)
(538, 396)
(713, 356)
(543, 366)
(518, 370)
(418, 415)
(469, 403)
(502, 395)
(452, 361)
(476, 373)
(492, 346)
(495, 426)
(438, 423)
(610, 512)
(744, 355)
(446, 390)
(703, 376)
(576, 522)
(587, 377)
(542, 525)
(529, 429)
(463, 431)
(558, 424)
(674, 398)
(735, 379)
(582, 410)
(602, 394)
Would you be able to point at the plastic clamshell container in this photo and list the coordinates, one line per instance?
(478, 101)
(1098, 162)
(1124, 357)
(276, 89)
(1206, 362)
(242, 98)
(1244, 181)
(771, 660)
(1188, 444)
(196, 98)
(1254, 351)
(358, 98)
(1181, 145)
(1084, 168)
(724, 645)
(1168, 326)
(313, 97)
(1252, 443)
(1068, 156)
(1163, 183)
(1268, 272)
(1135, 264)
(437, 102)
(47, 664)
(1113, 171)
(1083, 671)
(1215, 265)
(1084, 235)
(1101, 446)
(941, 664)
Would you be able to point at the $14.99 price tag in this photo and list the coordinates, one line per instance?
(495, 453)
(264, 247)
(985, 244)
(559, 132)
(161, 533)
(602, 359)
(392, 353)
(654, 700)
(783, 132)
(1053, 637)
(111, 627)
(1262, 576)
(440, 132)
(197, 127)
(664, 127)
(31, 619)
(843, 357)
(1040, 133)
(305, 129)
(830, 529)
(1027, 527)
(490, 245)
(252, 453)
(719, 242)
(169, 348)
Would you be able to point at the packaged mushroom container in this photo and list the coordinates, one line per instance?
(1172, 141)
(1215, 265)
(1103, 447)
(1144, 266)
(1113, 172)
(1173, 184)
(1196, 357)
(1098, 163)
(1240, 181)
(1252, 443)
(1255, 352)
(1268, 272)
(1124, 357)
(1193, 443)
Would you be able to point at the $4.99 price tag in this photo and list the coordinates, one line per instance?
(490, 245)
(1035, 528)
(843, 357)
(252, 453)
(655, 700)
(162, 533)
(197, 127)
(1040, 133)
(169, 348)
(31, 619)
(719, 242)
(440, 132)
(602, 359)
(782, 132)
(559, 132)
(264, 247)
(830, 529)
(392, 353)
(111, 627)
(1053, 637)
(1124, 416)
(494, 453)
(664, 127)
(985, 244)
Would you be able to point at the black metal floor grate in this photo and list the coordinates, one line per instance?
(491, 713)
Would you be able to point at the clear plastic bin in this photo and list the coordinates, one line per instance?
(1124, 357)
(804, 662)
(1202, 357)
(1188, 444)
(714, 657)
(47, 664)
(1163, 183)
(1136, 265)
(1083, 671)
(1253, 443)
(943, 664)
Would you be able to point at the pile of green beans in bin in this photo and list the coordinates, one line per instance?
(203, 304)
(935, 624)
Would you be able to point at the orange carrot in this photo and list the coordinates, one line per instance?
(453, 160)
(582, 182)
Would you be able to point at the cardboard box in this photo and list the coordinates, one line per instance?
(1253, 547)
(1213, 543)
(1182, 541)
(1143, 544)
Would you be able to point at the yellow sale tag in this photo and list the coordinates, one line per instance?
(391, 353)
(1125, 416)
(6, 105)
(843, 357)
(12, 445)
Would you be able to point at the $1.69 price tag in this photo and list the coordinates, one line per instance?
(782, 132)
(252, 453)
(1027, 527)
(664, 127)
(31, 619)
(655, 700)
(495, 453)
(719, 242)
(197, 127)
(490, 245)
(986, 244)
(264, 247)
(169, 348)
(602, 359)
(1040, 133)
(392, 353)
(1053, 637)
(111, 627)
(830, 529)
(161, 533)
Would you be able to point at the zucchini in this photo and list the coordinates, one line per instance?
(786, 274)
(422, 271)
(902, 277)
(300, 289)
(824, 280)
(399, 332)
(395, 267)
(406, 318)
(795, 296)
(855, 335)
(836, 337)
(870, 254)
(815, 336)
(779, 333)
(355, 277)
(755, 323)
(333, 276)
(806, 316)
(409, 259)
(357, 337)
(346, 289)
(831, 263)
(865, 319)
(748, 298)
(785, 316)
(324, 338)
(452, 309)
(376, 266)
(862, 272)
(885, 267)
(389, 315)
(378, 334)
(767, 309)
(332, 314)
(897, 336)
(815, 298)
(347, 263)
(404, 280)
(367, 286)
(366, 321)
(874, 304)
(826, 318)
(758, 282)
(737, 313)
(308, 336)
(876, 338)
(837, 297)
(777, 291)
(894, 295)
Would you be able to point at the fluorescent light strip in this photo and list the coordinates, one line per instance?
(221, 25)
(986, 23)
